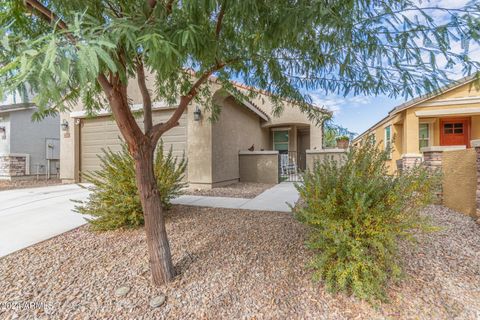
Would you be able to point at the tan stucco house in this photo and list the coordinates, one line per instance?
(441, 121)
(212, 149)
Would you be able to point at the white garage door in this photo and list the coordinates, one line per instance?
(102, 133)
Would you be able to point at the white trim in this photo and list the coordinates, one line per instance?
(452, 101)
(265, 152)
(411, 155)
(447, 112)
(442, 148)
(475, 143)
(281, 129)
(134, 107)
(430, 123)
(15, 109)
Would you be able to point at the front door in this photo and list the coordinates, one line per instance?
(455, 132)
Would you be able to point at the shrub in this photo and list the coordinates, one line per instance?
(357, 212)
(114, 201)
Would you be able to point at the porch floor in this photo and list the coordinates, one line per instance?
(276, 198)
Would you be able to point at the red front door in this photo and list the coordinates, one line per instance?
(455, 132)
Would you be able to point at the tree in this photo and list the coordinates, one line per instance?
(90, 51)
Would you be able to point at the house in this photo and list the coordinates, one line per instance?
(27, 148)
(440, 121)
(212, 149)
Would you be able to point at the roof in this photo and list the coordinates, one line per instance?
(15, 107)
(451, 86)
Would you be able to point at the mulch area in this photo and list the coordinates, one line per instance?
(246, 190)
(234, 264)
(30, 183)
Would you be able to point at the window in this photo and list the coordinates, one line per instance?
(372, 139)
(388, 138)
(449, 128)
(424, 135)
(280, 140)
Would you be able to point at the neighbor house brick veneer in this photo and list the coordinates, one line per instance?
(12, 166)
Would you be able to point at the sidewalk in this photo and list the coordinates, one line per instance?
(273, 199)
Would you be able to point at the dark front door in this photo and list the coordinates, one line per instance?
(455, 132)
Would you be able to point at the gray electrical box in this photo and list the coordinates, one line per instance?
(52, 149)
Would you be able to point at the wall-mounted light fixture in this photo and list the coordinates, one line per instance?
(64, 125)
(197, 114)
(3, 133)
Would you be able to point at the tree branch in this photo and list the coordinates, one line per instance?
(159, 129)
(49, 16)
(218, 28)
(147, 101)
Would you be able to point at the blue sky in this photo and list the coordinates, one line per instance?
(359, 113)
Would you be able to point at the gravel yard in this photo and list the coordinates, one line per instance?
(234, 264)
(30, 183)
(246, 190)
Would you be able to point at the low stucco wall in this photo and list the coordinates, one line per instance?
(460, 180)
(259, 166)
(314, 156)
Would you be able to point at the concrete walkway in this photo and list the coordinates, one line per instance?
(29, 216)
(273, 199)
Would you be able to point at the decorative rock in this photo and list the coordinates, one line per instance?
(122, 291)
(157, 301)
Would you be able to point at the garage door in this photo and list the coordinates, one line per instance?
(101, 133)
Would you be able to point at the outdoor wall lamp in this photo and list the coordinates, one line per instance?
(197, 114)
(64, 125)
(3, 131)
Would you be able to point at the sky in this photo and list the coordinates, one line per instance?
(358, 113)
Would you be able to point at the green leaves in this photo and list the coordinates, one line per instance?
(114, 201)
(345, 47)
(357, 212)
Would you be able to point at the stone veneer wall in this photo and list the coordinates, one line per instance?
(410, 161)
(433, 160)
(12, 166)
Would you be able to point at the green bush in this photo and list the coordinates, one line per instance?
(357, 212)
(114, 201)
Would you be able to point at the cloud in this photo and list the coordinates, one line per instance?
(336, 103)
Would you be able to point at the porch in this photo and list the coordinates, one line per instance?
(420, 131)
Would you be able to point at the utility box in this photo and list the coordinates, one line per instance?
(52, 149)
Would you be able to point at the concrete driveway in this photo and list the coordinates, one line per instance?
(28, 216)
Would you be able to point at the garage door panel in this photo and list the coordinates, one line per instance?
(102, 133)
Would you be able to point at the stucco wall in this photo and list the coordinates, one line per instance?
(236, 129)
(259, 166)
(460, 180)
(314, 156)
(30, 137)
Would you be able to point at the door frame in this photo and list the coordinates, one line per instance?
(466, 120)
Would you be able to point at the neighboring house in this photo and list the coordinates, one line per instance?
(27, 148)
(212, 149)
(445, 120)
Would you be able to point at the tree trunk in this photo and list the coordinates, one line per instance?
(158, 247)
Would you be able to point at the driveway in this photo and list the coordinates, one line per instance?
(28, 216)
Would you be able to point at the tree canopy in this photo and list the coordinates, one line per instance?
(285, 47)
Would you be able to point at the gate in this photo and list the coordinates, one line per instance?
(289, 169)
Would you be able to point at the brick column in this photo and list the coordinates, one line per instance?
(411, 160)
(476, 144)
(433, 161)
